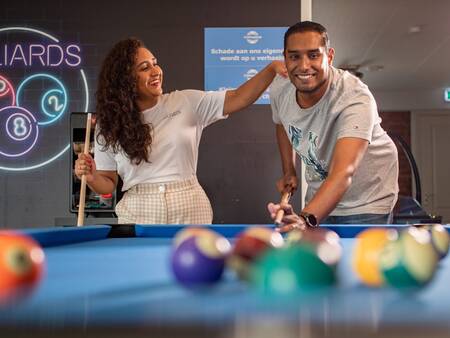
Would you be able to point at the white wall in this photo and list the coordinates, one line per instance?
(411, 100)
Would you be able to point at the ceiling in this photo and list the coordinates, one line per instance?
(408, 39)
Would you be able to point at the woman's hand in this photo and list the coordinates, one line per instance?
(85, 165)
(280, 68)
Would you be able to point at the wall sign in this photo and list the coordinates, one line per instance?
(41, 82)
(234, 55)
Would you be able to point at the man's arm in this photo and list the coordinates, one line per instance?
(251, 90)
(289, 180)
(347, 156)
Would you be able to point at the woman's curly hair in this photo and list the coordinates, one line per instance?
(119, 120)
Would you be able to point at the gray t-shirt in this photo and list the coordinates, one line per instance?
(347, 109)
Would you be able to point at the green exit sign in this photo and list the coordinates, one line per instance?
(447, 95)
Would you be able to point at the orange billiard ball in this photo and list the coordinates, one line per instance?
(366, 254)
(22, 260)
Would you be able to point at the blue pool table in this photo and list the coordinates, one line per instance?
(115, 281)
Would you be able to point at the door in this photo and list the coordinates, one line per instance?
(431, 148)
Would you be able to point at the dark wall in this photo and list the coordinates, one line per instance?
(238, 160)
(399, 123)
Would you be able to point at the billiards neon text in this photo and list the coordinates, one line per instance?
(32, 55)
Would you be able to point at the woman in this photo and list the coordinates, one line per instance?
(151, 139)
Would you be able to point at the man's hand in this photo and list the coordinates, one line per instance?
(290, 219)
(288, 183)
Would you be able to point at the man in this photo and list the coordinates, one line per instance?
(330, 118)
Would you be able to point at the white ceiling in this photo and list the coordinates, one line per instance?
(377, 33)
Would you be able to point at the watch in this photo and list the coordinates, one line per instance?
(310, 219)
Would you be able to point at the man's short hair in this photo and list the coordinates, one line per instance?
(308, 26)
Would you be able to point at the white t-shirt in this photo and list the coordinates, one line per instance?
(178, 120)
(347, 109)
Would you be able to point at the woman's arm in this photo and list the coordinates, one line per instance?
(251, 90)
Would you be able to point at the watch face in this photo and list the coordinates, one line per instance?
(310, 219)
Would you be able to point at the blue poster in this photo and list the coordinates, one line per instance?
(234, 55)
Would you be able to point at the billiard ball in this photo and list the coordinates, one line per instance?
(199, 260)
(366, 253)
(439, 237)
(290, 270)
(325, 242)
(190, 231)
(312, 235)
(249, 246)
(409, 261)
(22, 262)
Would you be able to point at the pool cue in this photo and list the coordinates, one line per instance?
(87, 143)
(280, 213)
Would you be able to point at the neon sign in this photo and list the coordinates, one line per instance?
(51, 55)
(41, 80)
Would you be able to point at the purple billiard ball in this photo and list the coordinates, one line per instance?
(200, 261)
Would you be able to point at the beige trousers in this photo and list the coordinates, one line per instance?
(179, 202)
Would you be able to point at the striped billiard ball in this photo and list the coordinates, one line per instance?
(410, 261)
(249, 246)
(200, 260)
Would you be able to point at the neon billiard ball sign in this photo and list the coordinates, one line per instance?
(41, 81)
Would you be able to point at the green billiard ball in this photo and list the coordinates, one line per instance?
(409, 261)
(290, 270)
